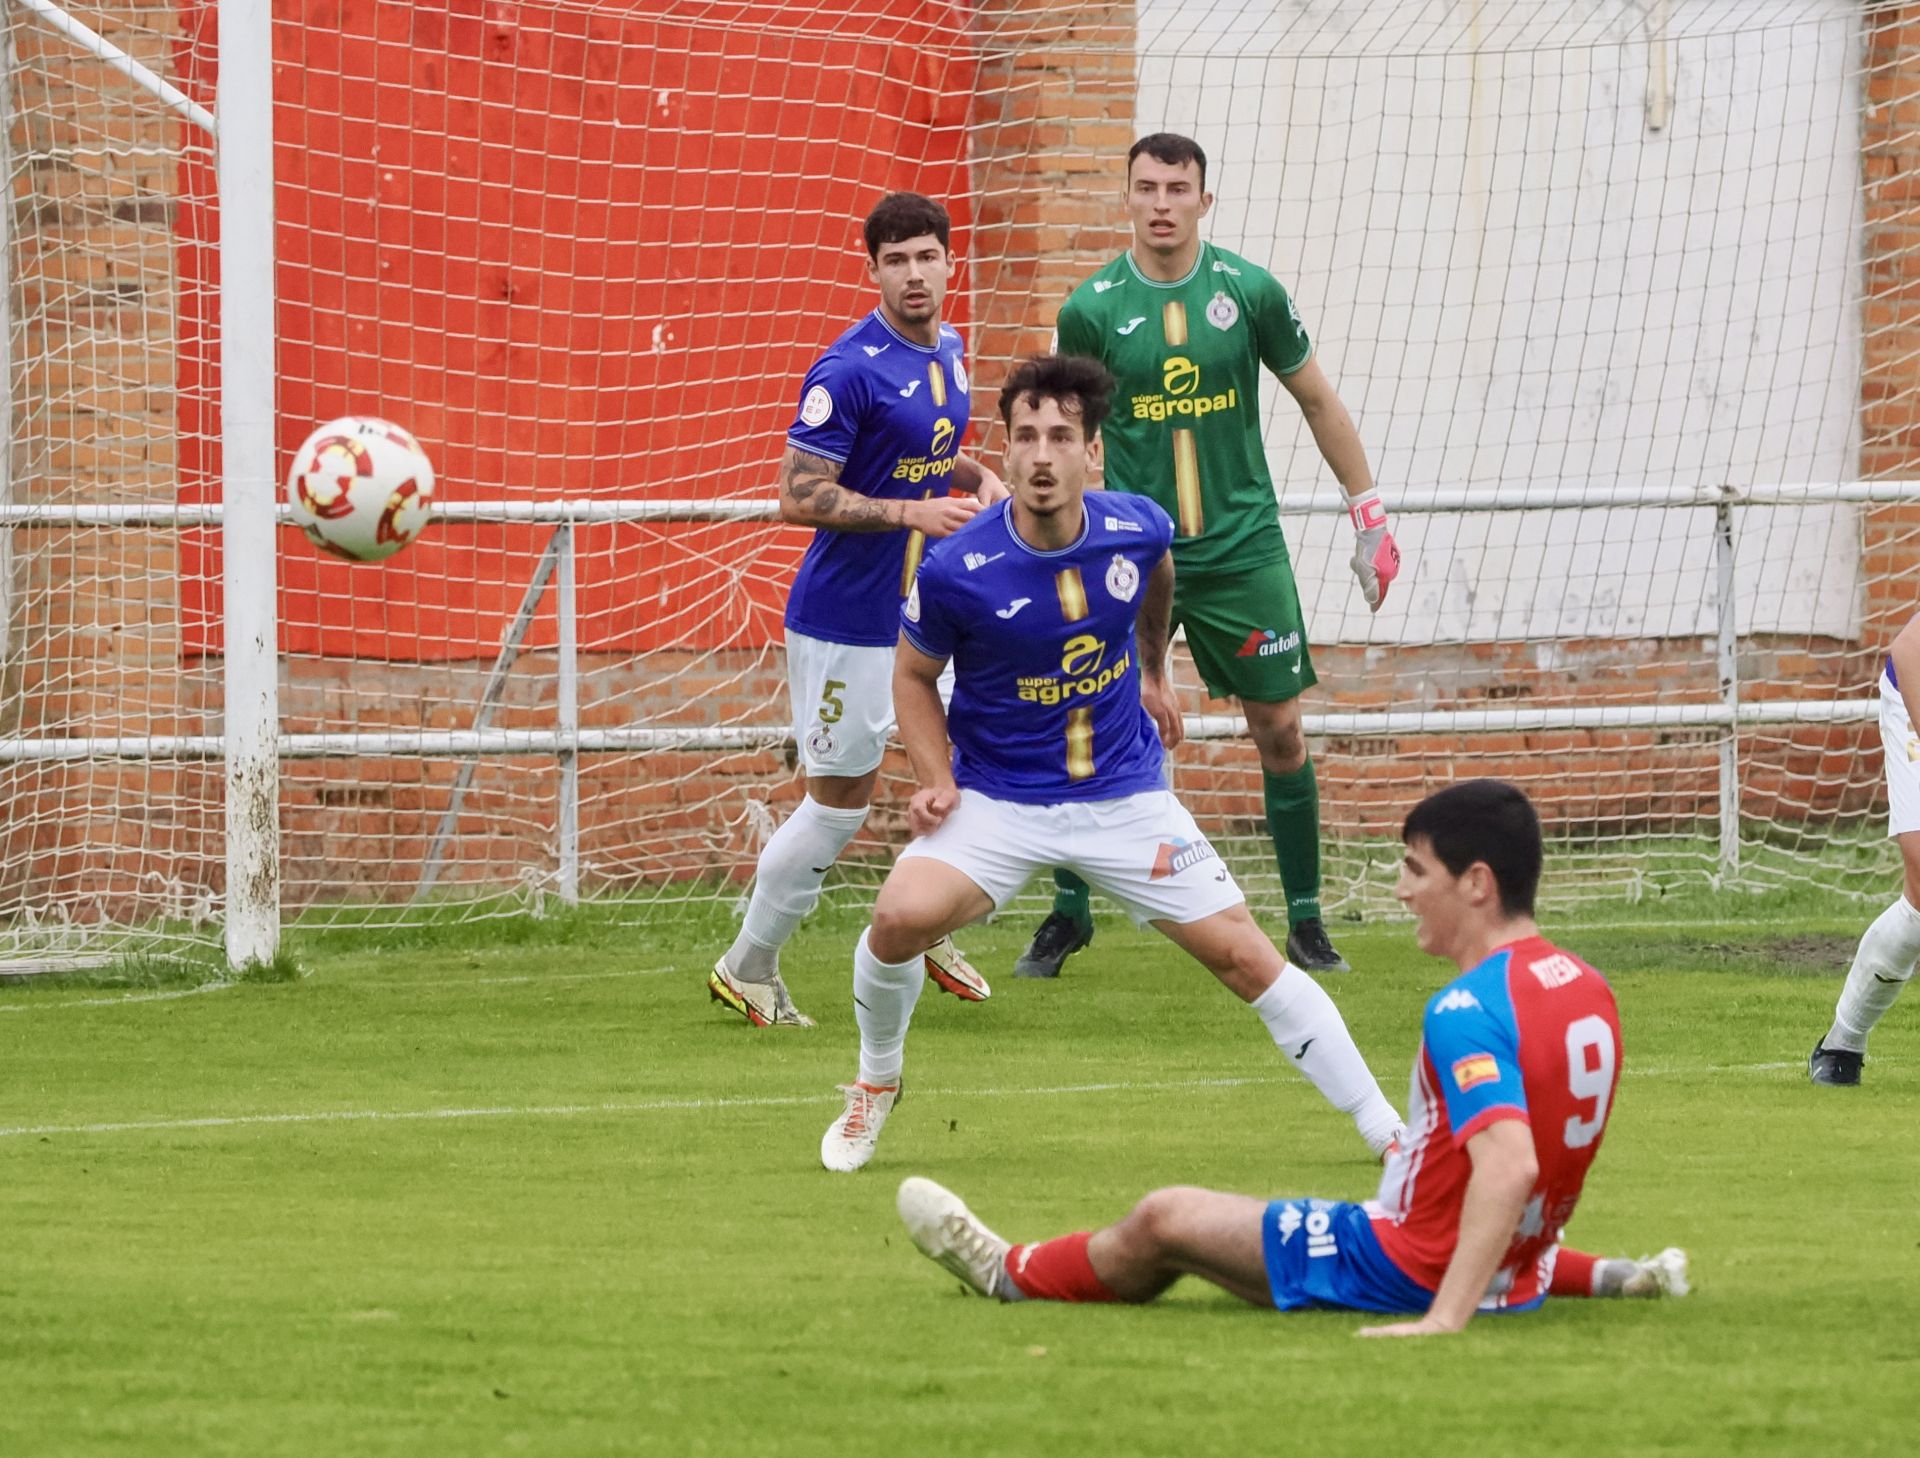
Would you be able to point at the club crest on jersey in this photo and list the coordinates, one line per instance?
(912, 606)
(1123, 578)
(817, 408)
(1475, 1069)
(1176, 855)
(1222, 312)
(959, 374)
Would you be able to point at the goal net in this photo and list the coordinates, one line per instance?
(1619, 301)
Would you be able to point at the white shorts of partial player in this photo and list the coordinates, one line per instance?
(1143, 851)
(1902, 747)
(842, 701)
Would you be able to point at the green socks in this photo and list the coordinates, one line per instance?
(1293, 820)
(1071, 897)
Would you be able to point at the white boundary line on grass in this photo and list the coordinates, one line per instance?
(643, 1106)
(123, 998)
(133, 997)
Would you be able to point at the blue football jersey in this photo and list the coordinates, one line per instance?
(1046, 695)
(892, 412)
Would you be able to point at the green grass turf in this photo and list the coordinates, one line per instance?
(521, 1188)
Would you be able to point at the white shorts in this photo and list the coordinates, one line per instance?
(1903, 761)
(842, 698)
(841, 695)
(1142, 850)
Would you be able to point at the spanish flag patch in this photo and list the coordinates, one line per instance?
(1474, 1070)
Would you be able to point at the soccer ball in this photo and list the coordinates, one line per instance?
(359, 488)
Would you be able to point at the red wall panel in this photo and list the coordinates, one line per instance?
(580, 252)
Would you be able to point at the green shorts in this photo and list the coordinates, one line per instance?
(1245, 633)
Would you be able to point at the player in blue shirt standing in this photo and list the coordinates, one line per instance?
(1054, 609)
(869, 461)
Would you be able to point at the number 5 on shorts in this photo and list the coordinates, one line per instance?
(830, 706)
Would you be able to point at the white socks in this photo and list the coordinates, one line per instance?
(786, 884)
(1309, 1029)
(1881, 968)
(883, 997)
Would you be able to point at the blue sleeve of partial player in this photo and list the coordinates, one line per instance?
(1475, 1051)
(926, 617)
(832, 401)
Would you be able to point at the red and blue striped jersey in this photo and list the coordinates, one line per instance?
(1532, 1034)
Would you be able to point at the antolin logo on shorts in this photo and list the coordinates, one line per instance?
(1180, 386)
(1265, 642)
(1176, 855)
(1081, 674)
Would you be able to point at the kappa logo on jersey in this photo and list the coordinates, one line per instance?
(1180, 382)
(1121, 524)
(1222, 312)
(1101, 285)
(1555, 971)
(1475, 1069)
(1266, 643)
(1123, 578)
(1176, 855)
(1220, 267)
(817, 408)
(1458, 1000)
(1132, 324)
(975, 560)
(874, 350)
(1011, 608)
(912, 385)
(1081, 674)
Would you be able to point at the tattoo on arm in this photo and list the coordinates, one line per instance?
(812, 495)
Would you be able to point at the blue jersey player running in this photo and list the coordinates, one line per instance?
(1053, 609)
(869, 460)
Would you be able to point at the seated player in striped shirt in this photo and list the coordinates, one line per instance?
(1518, 1063)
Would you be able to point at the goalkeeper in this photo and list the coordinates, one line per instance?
(1184, 327)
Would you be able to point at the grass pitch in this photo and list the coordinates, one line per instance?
(521, 1188)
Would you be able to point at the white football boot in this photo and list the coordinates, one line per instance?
(848, 1143)
(1661, 1275)
(950, 971)
(950, 1234)
(764, 1004)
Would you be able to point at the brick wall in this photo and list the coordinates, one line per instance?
(93, 635)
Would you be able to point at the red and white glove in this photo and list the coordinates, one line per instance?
(1376, 557)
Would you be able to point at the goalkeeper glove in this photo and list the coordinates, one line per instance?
(1376, 557)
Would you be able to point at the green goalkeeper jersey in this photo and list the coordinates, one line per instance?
(1185, 428)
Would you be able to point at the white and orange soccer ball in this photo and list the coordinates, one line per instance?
(360, 487)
